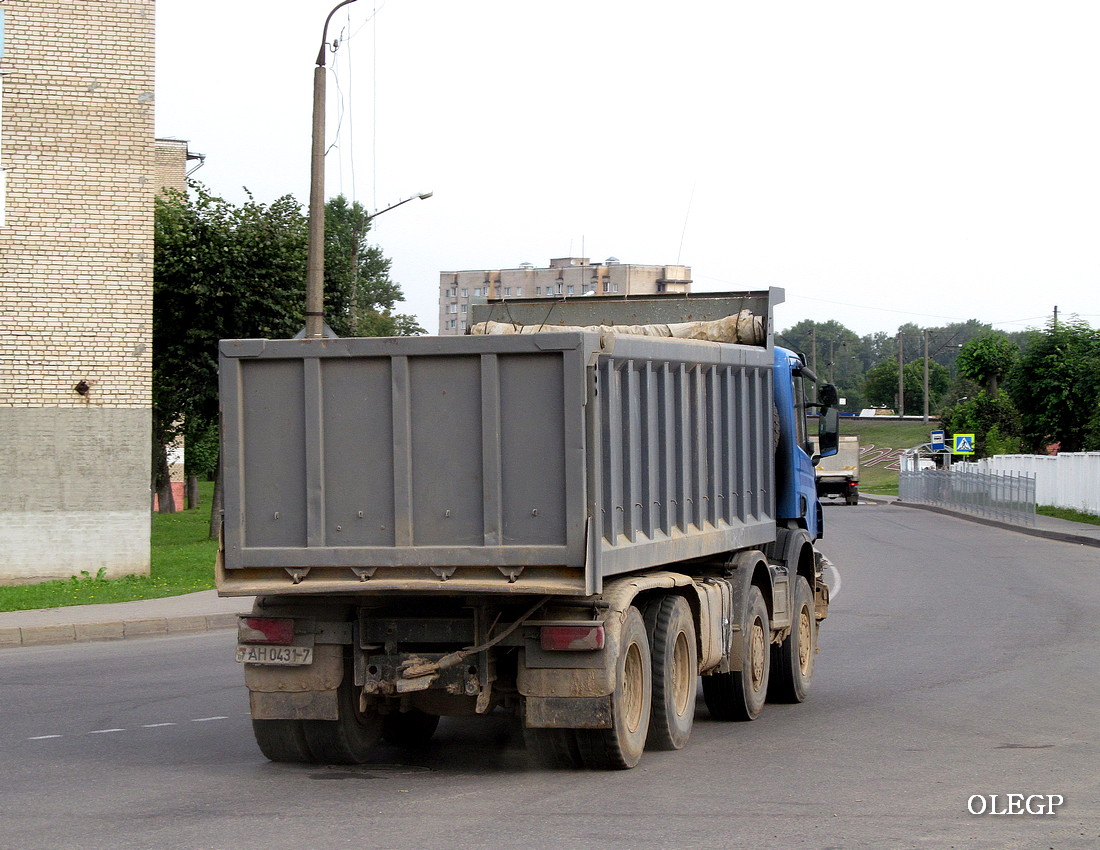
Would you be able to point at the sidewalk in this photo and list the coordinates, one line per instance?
(1049, 527)
(193, 612)
(206, 611)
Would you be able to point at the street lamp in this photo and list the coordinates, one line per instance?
(423, 196)
(315, 273)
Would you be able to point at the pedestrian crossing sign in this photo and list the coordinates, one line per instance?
(964, 444)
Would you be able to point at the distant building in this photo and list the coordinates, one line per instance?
(76, 270)
(566, 276)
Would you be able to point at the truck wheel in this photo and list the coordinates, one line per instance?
(675, 672)
(853, 497)
(793, 660)
(740, 694)
(556, 749)
(351, 739)
(409, 729)
(621, 747)
(282, 740)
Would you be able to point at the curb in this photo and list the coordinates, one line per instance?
(62, 633)
(1060, 536)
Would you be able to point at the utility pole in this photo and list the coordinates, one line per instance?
(925, 374)
(315, 274)
(901, 374)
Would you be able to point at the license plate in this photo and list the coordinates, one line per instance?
(285, 655)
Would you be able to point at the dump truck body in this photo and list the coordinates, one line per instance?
(446, 525)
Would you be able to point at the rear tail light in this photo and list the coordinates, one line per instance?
(572, 638)
(278, 630)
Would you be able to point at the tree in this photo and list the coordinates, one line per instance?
(222, 272)
(219, 272)
(987, 359)
(993, 420)
(359, 295)
(880, 385)
(834, 349)
(1055, 384)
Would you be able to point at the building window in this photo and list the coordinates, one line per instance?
(571, 290)
(614, 287)
(519, 291)
(462, 326)
(477, 292)
(507, 291)
(464, 308)
(538, 290)
(606, 287)
(454, 308)
(465, 292)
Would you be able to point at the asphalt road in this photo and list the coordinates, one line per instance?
(958, 660)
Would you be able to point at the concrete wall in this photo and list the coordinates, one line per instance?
(76, 253)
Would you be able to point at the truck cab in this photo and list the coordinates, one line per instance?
(797, 503)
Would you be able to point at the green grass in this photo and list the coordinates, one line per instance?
(182, 561)
(889, 435)
(1068, 513)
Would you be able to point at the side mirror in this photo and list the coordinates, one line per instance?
(827, 395)
(828, 431)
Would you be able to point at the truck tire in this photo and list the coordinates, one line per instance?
(282, 740)
(409, 729)
(675, 657)
(853, 496)
(556, 749)
(352, 738)
(621, 747)
(793, 659)
(740, 694)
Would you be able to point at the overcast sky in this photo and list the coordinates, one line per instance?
(884, 162)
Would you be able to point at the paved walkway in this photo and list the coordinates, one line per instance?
(206, 611)
(193, 612)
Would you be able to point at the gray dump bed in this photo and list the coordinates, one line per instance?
(517, 464)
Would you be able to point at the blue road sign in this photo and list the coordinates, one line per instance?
(964, 444)
(938, 443)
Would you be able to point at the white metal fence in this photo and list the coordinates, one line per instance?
(1005, 496)
(1067, 480)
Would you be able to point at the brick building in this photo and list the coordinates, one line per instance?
(564, 277)
(76, 261)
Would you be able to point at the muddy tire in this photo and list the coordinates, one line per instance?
(793, 659)
(352, 738)
(621, 747)
(282, 740)
(674, 655)
(409, 729)
(740, 694)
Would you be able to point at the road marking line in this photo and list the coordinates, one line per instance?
(205, 719)
(104, 731)
(43, 737)
(834, 592)
(156, 725)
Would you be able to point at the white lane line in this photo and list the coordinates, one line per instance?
(156, 725)
(104, 731)
(43, 737)
(205, 719)
(834, 592)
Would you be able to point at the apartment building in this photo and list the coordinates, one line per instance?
(76, 268)
(564, 277)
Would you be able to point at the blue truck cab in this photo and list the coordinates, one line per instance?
(796, 501)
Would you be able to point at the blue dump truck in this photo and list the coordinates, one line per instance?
(570, 517)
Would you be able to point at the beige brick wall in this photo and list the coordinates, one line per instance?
(171, 164)
(76, 270)
(76, 249)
